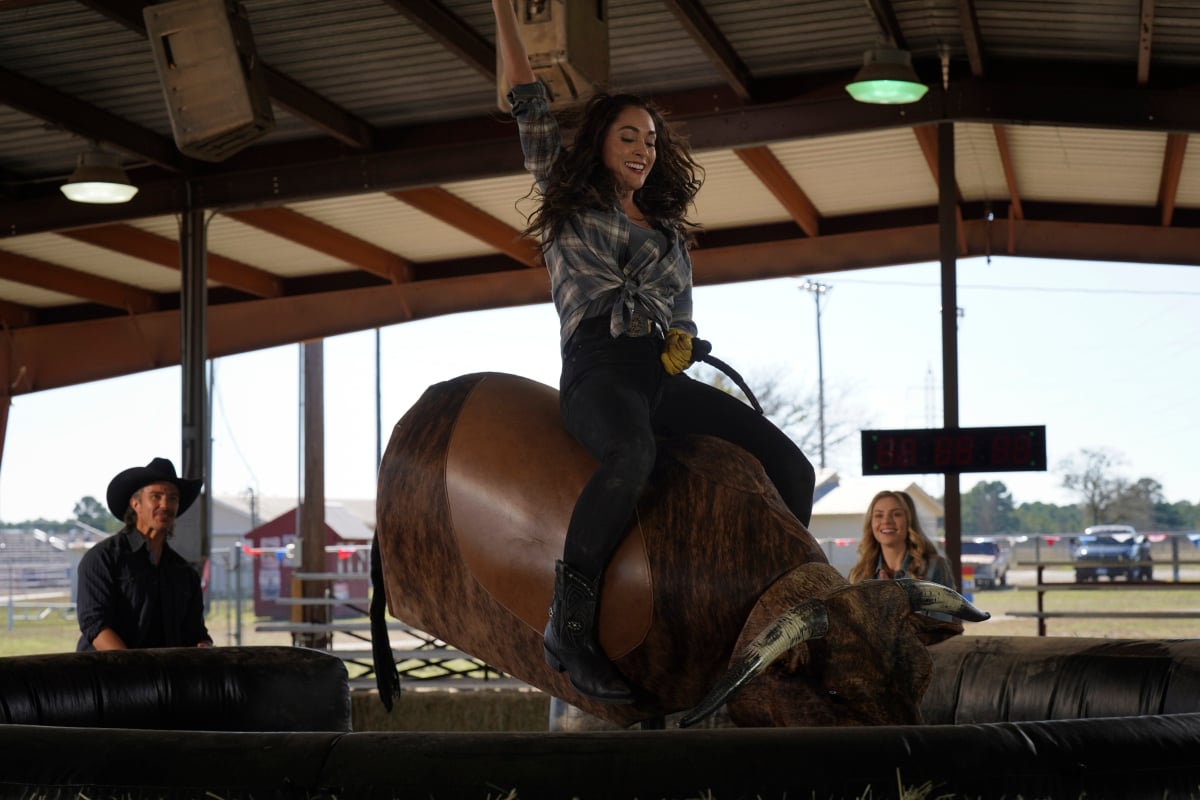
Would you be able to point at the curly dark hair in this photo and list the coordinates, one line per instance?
(579, 179)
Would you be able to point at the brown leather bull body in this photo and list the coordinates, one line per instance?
(475, 492)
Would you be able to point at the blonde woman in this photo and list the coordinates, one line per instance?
(894, 546)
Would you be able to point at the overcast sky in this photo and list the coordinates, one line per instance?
(1103, 355)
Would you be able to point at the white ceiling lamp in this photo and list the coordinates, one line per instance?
(98, 178)
(887, 77)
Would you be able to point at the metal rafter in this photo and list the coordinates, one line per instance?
(1010, 175)
(889, 25)
(1145, 41)
(767, 168)
(456, 212)
(444, 27)
(968, 22)
(15, 315)
(156, 249)
(316, 235)
(1172, 168)
(84, 285)
(62, 355)
(927, 139)
(481, 147)
(295, 97)
(86, 120)
(700, 26)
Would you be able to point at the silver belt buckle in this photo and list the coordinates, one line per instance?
(638, 325)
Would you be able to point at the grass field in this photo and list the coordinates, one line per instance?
(56, 634)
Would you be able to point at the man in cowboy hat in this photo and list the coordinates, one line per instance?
(134, 590)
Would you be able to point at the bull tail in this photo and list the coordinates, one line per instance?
(387, 677)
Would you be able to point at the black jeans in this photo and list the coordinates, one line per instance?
(615, 399)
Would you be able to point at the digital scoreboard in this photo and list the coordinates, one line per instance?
(929, 450)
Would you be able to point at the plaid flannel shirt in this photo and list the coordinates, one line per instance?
(584, 259)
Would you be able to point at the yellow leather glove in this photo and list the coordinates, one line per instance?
(677, 351)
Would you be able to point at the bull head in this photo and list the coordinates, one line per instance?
(873, 668)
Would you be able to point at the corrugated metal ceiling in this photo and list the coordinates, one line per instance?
(1062, 112)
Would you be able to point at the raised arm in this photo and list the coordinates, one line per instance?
(512, 49)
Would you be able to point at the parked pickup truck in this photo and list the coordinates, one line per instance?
(991, 559)
(1111, 551)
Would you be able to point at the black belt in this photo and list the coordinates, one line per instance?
(639, 325)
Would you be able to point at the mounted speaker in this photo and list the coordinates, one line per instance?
(567, 43)
(211, 77)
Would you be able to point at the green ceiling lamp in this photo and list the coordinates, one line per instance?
(98, 178)
(887, 77)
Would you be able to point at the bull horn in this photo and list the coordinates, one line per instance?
(930, 596)
(804, 621)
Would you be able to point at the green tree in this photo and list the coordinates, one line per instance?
(91, 511)
(1134, 504)
(1042, 517)
(988, 508)
(1172, 517)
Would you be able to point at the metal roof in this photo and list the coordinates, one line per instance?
(390, 188)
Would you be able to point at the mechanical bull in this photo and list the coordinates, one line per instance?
(717, 594)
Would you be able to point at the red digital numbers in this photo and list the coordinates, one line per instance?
(926, 450)
(1012, 450)
(953, 451)
(896, 452)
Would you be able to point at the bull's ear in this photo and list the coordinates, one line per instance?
(929, 596)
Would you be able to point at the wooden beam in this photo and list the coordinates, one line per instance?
(763, 163)
(160, 250)
(1172, 168)
(1010, 175)
(456, 212)
(705, 33)
(316, 235)
(75, 283)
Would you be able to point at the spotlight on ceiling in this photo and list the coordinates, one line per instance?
(98, 178)
(887, 77)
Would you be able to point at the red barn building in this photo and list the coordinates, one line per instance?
(275, 549)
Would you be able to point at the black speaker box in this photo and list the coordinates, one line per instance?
(210, 74)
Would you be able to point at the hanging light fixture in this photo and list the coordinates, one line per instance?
(887, 77)
(98, 178)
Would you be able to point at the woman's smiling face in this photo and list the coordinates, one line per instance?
(629, 148)
(889, 521)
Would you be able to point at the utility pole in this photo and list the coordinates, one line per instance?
(819, 290)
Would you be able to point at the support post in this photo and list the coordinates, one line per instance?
(948, 250)
(193, 354)
(312, 512)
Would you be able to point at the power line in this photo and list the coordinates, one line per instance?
(1045, 289)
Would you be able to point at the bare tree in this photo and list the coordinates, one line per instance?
(796, 414)
(1095, 482)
